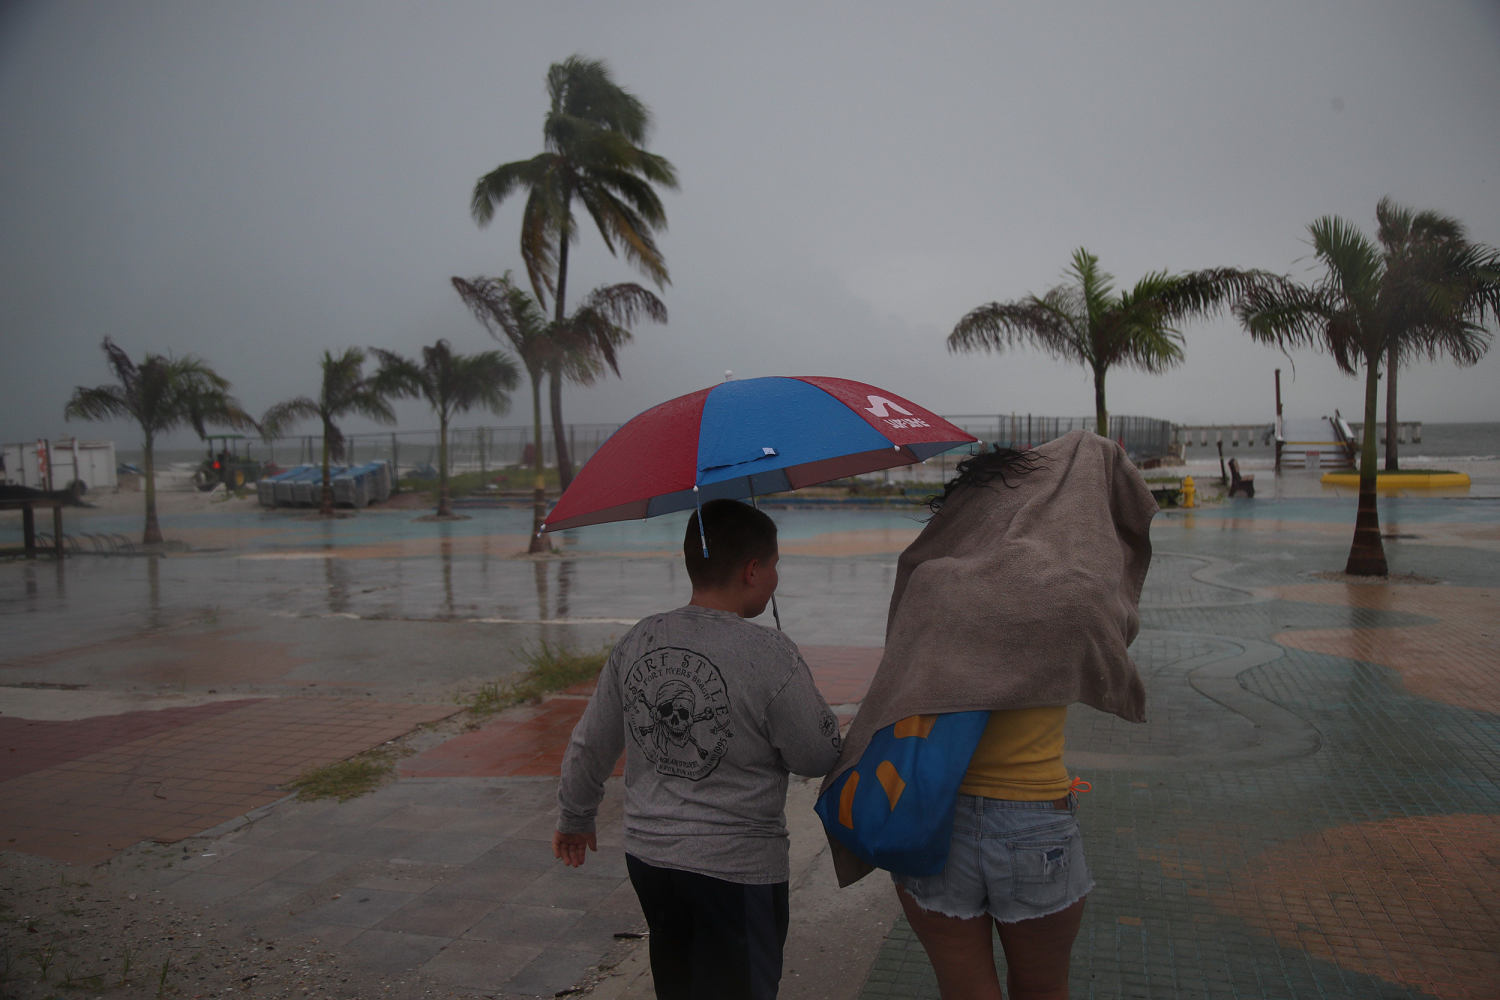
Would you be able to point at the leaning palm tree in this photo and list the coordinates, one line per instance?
(451, 383)
(1087, 322)
(345, 390)
(1450, 284)
(512, 315)
(577, 349)
(160, 394)
(594, 135)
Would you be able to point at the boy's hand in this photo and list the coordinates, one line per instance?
(569, 847)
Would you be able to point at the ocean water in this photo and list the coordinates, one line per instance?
(1474, 441)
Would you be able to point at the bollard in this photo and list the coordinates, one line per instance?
(1189, 492)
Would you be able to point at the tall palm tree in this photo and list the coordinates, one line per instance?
(1087, 322)
(1447, 284)
(160, 394)
(451, 383)
(593, 135)
(1369, 300)
(345, 390)
(577, 349)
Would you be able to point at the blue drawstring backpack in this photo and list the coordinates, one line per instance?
(894, 809)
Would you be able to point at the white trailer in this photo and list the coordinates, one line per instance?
(56, 465)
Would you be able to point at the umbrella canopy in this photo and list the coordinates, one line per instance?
(749, 438)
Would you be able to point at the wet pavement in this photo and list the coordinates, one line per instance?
(1312, 809)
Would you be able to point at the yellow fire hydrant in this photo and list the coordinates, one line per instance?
(1189, 492)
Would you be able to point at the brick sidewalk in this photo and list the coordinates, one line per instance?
(1313, 809)
(82, 791)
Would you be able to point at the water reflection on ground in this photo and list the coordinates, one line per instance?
(837, 569)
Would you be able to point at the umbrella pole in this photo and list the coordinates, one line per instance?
(775, 611)
(702, 535)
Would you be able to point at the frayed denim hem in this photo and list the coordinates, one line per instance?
(1083, 894)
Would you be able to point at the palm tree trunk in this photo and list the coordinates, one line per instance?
(325, 499)
(1101, 414)
(1367, 554)
(1390, 411)
(539, 482)
(152, 534)
(559, 432)
(445, 504)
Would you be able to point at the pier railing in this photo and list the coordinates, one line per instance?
(1199, 441)
(1142, 437)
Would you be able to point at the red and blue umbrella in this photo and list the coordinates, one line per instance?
(749, 438)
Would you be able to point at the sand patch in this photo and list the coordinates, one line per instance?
(500, 546)
(871, 541)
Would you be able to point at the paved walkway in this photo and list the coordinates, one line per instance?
(1313, 809)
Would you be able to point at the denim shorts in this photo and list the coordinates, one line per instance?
(1012, 860)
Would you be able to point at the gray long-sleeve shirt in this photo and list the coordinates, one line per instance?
(712, 712)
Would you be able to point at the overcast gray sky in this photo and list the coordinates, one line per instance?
(252, 183)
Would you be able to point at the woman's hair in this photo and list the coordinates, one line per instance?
(1003, 464)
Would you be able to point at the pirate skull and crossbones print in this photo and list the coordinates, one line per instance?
(679, 712)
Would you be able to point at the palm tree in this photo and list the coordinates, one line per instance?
(509, 312)
(578, 349)
(345, 390)
(160, 394)
(1448, 283)
(1423, 290)
(451, 383)
(593, 136)
(1085, 321)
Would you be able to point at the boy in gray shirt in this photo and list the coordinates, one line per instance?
(712, 712)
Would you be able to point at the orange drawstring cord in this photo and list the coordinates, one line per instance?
(1078, 786)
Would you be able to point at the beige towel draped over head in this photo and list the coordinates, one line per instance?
(1017, 596)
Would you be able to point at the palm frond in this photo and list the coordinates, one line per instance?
(395, 375)
(1353, 262)
(105, 402)
(281, 416)
(509, 315)
(1028, 322)
(125, 370)
(602, 324)
(623, 228)
(582, 88)
(494, 187)
(544, 226)
(160, 393)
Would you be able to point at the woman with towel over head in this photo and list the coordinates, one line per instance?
(1018, 599)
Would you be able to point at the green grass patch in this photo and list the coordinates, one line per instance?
(350, 778)
(551, 668)
(463, 484)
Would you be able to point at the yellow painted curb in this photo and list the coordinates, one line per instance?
(1401, 480)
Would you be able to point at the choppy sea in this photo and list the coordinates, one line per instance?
(1474, 441)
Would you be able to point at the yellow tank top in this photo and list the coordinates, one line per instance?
(1020, 756)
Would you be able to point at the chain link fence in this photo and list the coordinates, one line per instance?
(470, 449)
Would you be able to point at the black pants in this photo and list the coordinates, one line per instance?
(711, 939)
